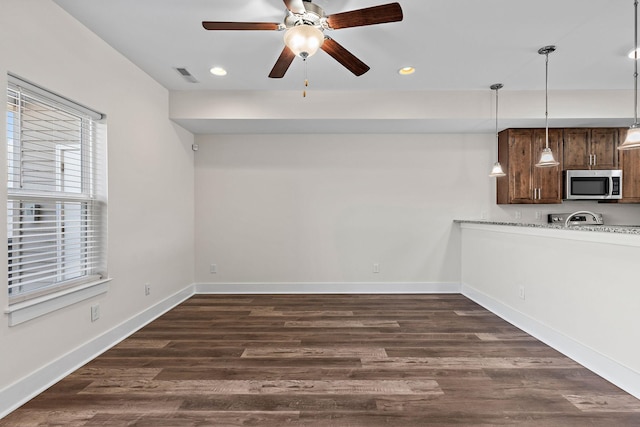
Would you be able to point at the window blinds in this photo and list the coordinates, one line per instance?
(54, 214)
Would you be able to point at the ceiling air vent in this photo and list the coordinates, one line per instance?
(187, 75)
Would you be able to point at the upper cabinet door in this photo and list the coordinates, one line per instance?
(630, 165)
(604, 144)
(576, 153)
(586, 148)
(548, 181)
(521, 157)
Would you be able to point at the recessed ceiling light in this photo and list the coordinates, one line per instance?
(218, 71)
(405, 71)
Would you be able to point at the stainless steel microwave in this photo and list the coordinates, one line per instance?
(592, 184)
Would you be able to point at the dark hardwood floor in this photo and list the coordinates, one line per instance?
(330, 360)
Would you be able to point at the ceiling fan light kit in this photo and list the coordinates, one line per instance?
(303, 40)
(305, 23)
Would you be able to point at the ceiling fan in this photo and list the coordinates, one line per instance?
(305, 23)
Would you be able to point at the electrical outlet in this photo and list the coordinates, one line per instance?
(521, 292)
(376, 268)
(95, 312)
(538, 215)
(213, 268)
(518, 214)
(147, 289)
(483, 215)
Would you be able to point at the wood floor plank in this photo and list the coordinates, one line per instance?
(470, 362)
(330, 360)
(287, 387)
(341, 324)
(308, 352)
(270, 312)
(505, 337)
(281, 403)
(604, 403)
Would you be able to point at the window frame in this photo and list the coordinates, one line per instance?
(88, 229)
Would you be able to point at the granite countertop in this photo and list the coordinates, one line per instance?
(621, 229)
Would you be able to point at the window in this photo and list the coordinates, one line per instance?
(55, 209)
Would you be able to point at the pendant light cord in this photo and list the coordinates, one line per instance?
(546, 158)
(497, 89)
(635, 74)
(546, 51)
(546, 100)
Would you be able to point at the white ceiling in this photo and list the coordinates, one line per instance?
(456, 45)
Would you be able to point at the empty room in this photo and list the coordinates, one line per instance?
(354, 213)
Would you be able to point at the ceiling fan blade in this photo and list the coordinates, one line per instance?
(282, 64)
(295, 6)
(344, 57)
(391, 12)
(214, 25)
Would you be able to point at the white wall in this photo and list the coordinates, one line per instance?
(150, 180)
(324, 208)
(581, 292)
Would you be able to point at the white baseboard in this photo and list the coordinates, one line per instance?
(27, 388)
(619, 375)
(328, 288)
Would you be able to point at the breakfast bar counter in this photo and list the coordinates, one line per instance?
(574, 287)
(620, 229)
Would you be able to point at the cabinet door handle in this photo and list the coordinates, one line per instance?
(595, 160)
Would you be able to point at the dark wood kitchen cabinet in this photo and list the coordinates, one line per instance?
(629, 161)
(590, 148)
(518, 152)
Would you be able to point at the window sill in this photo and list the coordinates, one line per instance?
(28, 310)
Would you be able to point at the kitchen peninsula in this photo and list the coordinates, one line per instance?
(621, 229)
(575, 288)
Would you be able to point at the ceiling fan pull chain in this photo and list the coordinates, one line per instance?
(306, 80)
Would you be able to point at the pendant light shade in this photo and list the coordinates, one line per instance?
(496, 171)
(546, 158)
(633, 138)
(633, 134)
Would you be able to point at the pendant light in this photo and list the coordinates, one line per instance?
(497, 171)
(546, 158)
(633, 134)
